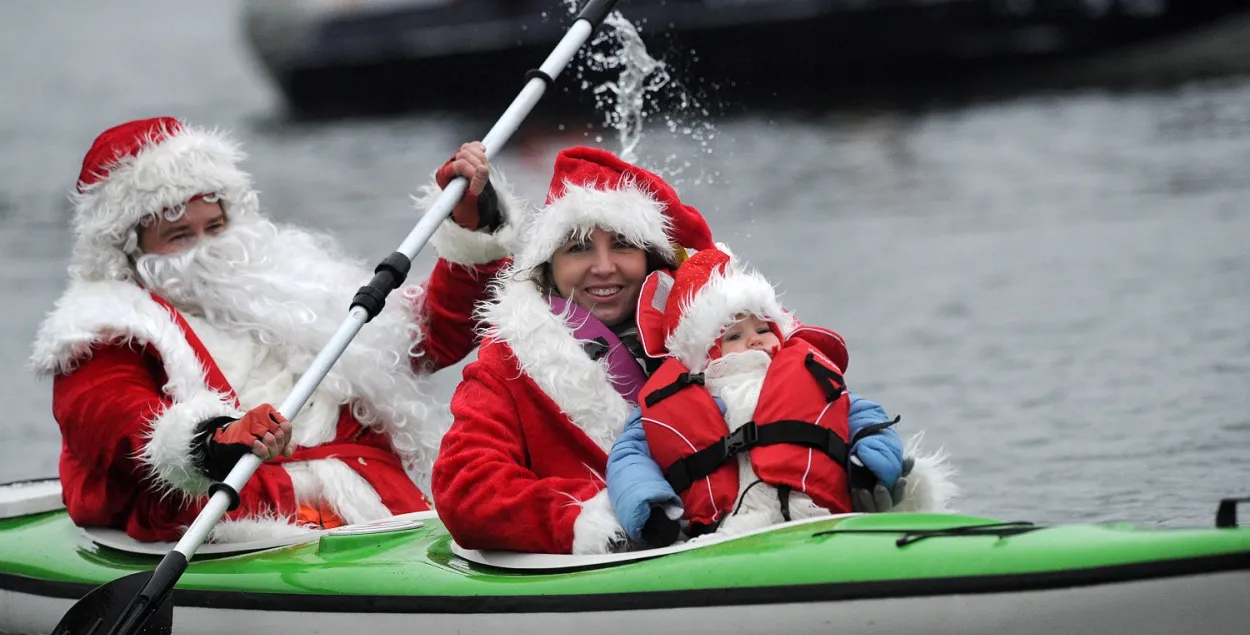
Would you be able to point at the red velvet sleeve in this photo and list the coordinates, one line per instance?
(483, 489)
(101, 408)
(445, 311)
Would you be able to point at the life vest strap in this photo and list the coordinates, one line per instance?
(876, 428)
(683, 380)
(683, 473)
(831, 381)
(783, 498)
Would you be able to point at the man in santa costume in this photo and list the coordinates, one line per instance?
(522, 467)
(188, 313)
(740, 367)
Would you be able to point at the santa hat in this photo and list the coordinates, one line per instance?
(136, 170)
(683, 316)
(594, 188)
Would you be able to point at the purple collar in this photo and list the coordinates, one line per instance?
(598, 340)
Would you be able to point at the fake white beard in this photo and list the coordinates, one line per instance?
(737, 379)
(290, 289)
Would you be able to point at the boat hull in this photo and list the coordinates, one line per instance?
(469, 55)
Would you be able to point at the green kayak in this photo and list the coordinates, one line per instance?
(882, 573)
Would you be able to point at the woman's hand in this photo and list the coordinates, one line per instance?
(470, 162)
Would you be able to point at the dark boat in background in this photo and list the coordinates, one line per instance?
(333, 57)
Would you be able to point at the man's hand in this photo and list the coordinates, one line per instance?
(220, 443)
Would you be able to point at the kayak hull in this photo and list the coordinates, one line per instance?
(1211, 603)
(849, 573)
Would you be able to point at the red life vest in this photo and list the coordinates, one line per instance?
(797, 439)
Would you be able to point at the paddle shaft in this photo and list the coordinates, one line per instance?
(499, 134)
(387, 278)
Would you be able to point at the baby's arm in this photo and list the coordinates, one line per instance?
(635, 482)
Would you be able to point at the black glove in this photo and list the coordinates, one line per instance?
(489, 214)
(870, 496)
(660, 530)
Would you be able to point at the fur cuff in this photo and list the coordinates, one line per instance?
(596, 528)
(930, 485)
(243, 530)
(167, 453)
(461, 246)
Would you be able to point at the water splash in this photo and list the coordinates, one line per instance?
(643, 88)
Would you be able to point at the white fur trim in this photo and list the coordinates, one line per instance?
(115, 312)
(596, 527)
(167, 453)
(244, 530)
(332, 481)
(162, 175)
(546, 350)
(630, 211)
(705, 315)
(461, 246)
(930, 485)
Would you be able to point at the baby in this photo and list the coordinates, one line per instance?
(748, 423)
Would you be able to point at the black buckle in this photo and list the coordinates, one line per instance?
(595, 349)
(690, 379)
(743, 438)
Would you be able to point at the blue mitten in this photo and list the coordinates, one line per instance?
(636, 484)
(882, 454)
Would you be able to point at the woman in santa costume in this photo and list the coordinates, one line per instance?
(556, 375)
(748, 422)
(188, 313)
(522, 467)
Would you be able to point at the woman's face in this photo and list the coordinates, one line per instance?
(600, 273)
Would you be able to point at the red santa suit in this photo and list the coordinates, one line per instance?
(522, 466)
(135, 372)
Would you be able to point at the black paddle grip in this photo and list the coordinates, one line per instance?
(596, 11)
(387, 276)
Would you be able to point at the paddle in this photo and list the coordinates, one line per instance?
(128, 605)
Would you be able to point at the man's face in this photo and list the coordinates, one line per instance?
(169, 237)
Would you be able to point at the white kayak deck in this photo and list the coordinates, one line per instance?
(44, 495)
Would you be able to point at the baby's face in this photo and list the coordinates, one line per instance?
(749, 334)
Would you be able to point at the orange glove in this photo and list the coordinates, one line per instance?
(252, 427)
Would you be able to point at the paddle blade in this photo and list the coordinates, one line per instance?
(119, 608)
